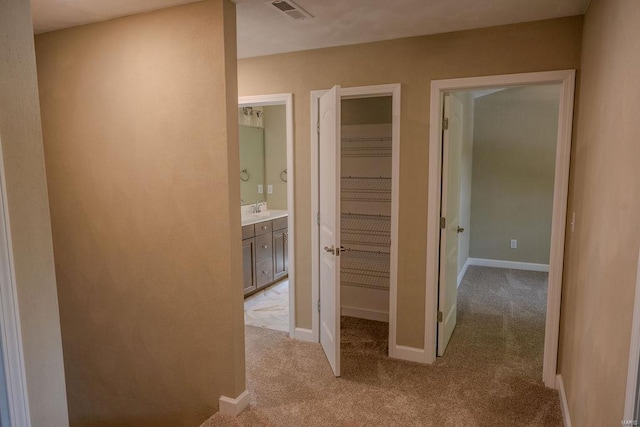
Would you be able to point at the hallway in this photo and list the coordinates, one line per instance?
(489, 376)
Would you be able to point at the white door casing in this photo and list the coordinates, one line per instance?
(15, 382)
(329, 219)
(450, 211)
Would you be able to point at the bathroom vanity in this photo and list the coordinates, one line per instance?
(265, 258)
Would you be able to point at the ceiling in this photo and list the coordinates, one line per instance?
(262, 30)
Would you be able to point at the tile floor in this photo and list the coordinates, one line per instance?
(269, 308)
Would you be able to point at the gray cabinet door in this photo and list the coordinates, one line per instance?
(249, 279)
(280, 254)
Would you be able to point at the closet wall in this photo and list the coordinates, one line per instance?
(366, 207)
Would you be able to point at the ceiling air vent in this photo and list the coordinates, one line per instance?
(290, 9)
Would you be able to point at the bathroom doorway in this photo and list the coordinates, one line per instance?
(267, 199)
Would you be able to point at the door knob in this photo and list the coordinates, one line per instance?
(330, 249)
(460, 229)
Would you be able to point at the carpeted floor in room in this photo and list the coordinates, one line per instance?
(490, 375)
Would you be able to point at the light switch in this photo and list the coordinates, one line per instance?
(514, 243)
(269, 189)
(260, 189)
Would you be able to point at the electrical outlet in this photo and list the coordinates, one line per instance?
(260, 189)
(269, 189)
(514, 243)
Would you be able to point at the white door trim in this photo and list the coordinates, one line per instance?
(634, 356)
(10, 332)
(566, 78)
(285, 99)
(392, 90)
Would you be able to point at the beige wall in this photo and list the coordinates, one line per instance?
(602, 253)
(30, 225)
(366, 111)
(275, 143)
(141, 142)
(514, 146)
(413, 62)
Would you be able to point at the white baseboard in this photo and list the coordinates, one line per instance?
(410, 354)
(363, 313)
(566, 418)
(233, 407)
(303, 334)
(514, 265)
(463, 271)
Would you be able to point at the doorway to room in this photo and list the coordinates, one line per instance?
(444, 227)
(355, 204)
(266, 187)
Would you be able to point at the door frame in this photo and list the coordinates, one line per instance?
(566, 79)
(633, 371)
(285, 99)
(10, 331)
(392, 90)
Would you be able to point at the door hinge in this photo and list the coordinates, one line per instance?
(445, 123)
(318, 218)
(318, 305)
(318, 128)
(440, 316)
(443, 222)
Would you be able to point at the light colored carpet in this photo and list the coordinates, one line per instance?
(489, 376)
(269, 308)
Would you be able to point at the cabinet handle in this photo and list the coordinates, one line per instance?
(264, 272)
(264, 227)
(264, 246)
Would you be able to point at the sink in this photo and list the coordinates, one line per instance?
(252, 218)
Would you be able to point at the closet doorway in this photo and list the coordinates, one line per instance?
(267, 198)
(355, 175)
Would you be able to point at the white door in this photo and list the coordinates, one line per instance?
(450, 211)
(329, 193)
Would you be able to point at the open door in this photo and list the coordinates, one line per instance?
(329, 195)
(450, 222)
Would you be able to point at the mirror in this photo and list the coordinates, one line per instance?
(251, 164)
(263, 155)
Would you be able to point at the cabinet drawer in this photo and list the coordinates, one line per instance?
(248, 231)
(264, 247)
(280, 223)
(264, 271)
(263, 228)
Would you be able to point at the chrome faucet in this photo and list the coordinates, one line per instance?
(257, 207)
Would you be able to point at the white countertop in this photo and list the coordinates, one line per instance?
(254, 218)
